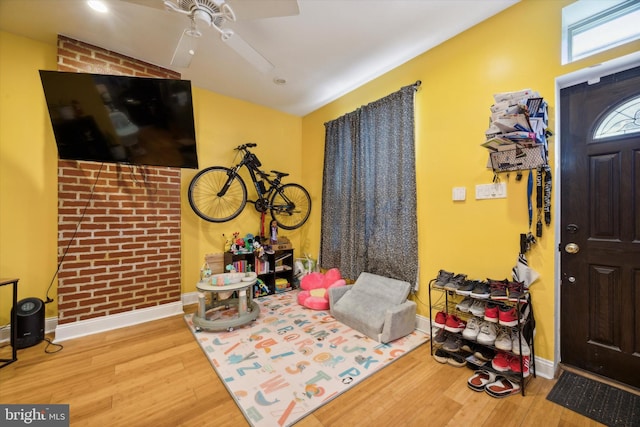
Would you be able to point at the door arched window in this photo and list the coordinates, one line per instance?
(622, 119)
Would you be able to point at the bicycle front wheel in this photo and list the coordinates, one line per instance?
(217, 195)
(290, 206)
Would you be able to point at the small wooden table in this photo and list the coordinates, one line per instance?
(248, 309)
(13, 323)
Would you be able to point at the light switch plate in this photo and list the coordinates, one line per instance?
(459, 193)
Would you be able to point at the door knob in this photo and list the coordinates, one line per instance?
(571, 279)
(572, 248)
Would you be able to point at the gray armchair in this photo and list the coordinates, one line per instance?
(375, 305)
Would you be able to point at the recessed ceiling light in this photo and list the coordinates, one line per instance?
(98, 6)
(279, 81)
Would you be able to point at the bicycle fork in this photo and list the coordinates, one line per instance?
(232, 174)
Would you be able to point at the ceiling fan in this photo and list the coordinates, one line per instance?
(215, 13)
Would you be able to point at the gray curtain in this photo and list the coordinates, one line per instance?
(369, 190)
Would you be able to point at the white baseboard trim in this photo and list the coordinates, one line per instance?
(190, 298)
(423, 324)
(544, 367)
(107, 323)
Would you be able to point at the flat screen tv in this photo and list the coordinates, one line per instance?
(121, 119)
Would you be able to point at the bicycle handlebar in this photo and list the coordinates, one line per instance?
(247, 145)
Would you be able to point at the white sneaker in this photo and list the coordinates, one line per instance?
(487, 334)
(503, 340)
(472, 329)
(477, 308)
(517, 343)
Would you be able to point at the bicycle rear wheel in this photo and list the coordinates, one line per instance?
(205, 195)
(290, 206)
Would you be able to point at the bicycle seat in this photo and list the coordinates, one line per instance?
(280, 174)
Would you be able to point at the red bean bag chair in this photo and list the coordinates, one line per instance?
(314, 294)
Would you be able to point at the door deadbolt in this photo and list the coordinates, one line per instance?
(572, 248)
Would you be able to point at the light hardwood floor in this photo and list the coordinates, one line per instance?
(155, 374)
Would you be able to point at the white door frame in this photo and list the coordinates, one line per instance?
(589, 74)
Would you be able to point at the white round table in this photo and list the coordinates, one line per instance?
(248, 309)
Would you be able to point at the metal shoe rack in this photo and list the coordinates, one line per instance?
(447, 300)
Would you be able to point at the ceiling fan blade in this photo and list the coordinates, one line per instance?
(259, 9)
(186, 49)
(245, 50)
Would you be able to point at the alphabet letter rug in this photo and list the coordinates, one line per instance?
(292, 360)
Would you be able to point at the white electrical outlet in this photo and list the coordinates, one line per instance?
(491, 191)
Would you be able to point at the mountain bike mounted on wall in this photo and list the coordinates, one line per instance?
(219, 194)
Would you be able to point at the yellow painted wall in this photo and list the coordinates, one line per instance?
(517, 49)
(28, 171)
(223, 123)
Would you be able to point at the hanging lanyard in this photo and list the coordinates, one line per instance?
(529, 194)
(539, 197)
(547, 195)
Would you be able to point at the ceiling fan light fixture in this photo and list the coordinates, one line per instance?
(203, 16)
(98, 6)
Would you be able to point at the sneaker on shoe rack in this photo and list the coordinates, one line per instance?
(517, 291)
(503, 340)
(498, 290)
(507, 316)
(502, 387)
(455, 282)
(480, 378)
(518, 342)
(472, 329)
(514, 365)
(485, 354)
(488, 333)
(477, 308)
(454, 324)
(452, 343)
(439, 337)
(502, 362)
(440, 356)
(466, 288)
(442, 279)
(491, 312)
(467, 347)
(465, 304)
(481, 291)
(456, 360)
(440, 320)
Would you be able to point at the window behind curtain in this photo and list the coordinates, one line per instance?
(369, 190)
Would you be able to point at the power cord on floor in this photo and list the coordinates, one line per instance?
(51, 343)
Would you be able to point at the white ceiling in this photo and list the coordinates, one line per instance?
(330, 48)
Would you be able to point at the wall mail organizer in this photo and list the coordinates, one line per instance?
(518, 129)
(519, 158)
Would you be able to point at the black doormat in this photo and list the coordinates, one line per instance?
(601, 402)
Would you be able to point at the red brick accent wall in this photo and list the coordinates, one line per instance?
(118, 224)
